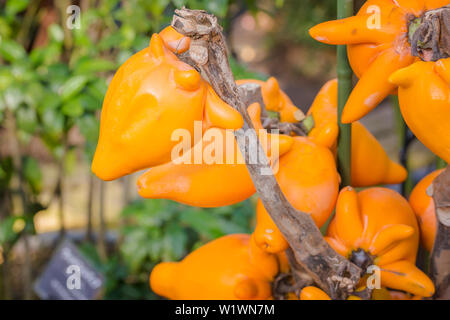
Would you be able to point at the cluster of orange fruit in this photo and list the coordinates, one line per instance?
(154, 93)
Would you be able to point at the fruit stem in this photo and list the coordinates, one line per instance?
(429, 35)
(308, 123)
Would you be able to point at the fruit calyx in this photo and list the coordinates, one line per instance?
(429, 35)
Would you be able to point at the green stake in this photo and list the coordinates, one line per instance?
(344, 72)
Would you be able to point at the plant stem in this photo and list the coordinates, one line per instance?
(430, 35)
(345, 9)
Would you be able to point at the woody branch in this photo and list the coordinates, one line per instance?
(208, 54)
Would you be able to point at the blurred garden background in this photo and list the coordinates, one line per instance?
(56, 59)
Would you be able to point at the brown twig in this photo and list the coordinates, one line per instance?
(208, 53)
(440, 255)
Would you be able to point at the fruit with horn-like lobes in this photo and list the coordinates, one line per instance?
(370, 164)
(308, 177)
(423, 206)
(377, 227)
(152, 95)
(219, 177)
(378, 44)
(424, 97)
(229, 268)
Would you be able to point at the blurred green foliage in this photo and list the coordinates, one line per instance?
(163, 230)
(297, 17)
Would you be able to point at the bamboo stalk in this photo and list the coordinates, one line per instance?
(344, 72)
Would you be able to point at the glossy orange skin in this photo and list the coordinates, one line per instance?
(423, 206)
(308, 178)
(370, 164)
(175, 41)
(208, 184)
(375, 52)
(424, 95)
(228, 268)
(313, 293)
(151, 95)
(324, 112)
(380, 222)
(283, 262)
(277, 100)
(274, 98)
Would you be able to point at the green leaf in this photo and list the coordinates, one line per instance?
(53, 123)
(97, 89)
(34, 93)
(51, 100)
(157, 7)
(218, 7)
(6, 78)
(26, 119)
(72, 108)
(123, 56)
(7, 170)
(113, 40)
(56, 72)
(179, 3)
(73, 86)
(89, 127)
(15, 6)
(90, 103)
(11, 51)
(56, 33)
(202, 222)
(240, 71)
(7, 233)
(88, 65)
(37, 56)
(174, 242)
(32, 174)
(13, 97)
